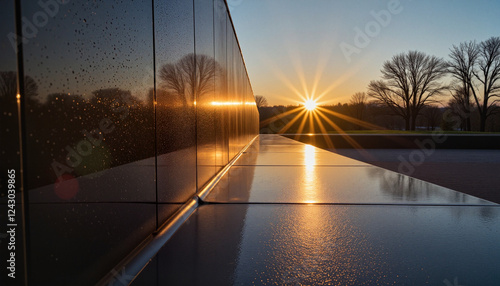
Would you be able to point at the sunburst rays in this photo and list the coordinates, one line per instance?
(312, 113)
(318, 119)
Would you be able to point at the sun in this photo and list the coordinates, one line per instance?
(310, 104)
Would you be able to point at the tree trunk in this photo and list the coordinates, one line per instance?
(482, 126)
(413, 123)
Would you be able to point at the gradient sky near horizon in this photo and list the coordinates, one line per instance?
(292, 48)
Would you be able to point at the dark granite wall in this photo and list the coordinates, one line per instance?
(128, 108)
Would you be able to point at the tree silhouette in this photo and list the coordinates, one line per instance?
(461, 105)
(461, 66)
(189, 78)
(410, 81)
(477, 68)
(357, 105)
(432, 115)
(8, 85)
(488, 74)
(261, 101)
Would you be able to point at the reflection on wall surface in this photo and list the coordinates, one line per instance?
(175, 96)
(128, 109)
(9, 142)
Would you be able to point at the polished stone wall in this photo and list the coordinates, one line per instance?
(127, 109)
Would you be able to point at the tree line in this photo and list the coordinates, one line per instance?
(413, 82)
(60, 126)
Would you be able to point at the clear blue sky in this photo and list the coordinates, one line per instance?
(294, 47)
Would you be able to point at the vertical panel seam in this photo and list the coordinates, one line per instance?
(22, 133)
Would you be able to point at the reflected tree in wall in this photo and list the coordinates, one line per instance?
(181, 85)
(8, 86)
(261, 101)
(189, 78)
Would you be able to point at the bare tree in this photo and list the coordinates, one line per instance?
(410, 82)
(477, 68)
(8, 86)
(456, 107)
(487, 73)
(358, 98)
(357, 104)
(461, 105)
(189, 78)
(461, 66)
(431, 114)
(397, 102)
(261, 101)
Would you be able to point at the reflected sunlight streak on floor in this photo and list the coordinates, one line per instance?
(310, 187)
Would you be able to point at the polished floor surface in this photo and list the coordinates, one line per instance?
(469, 171)
(291, 214)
